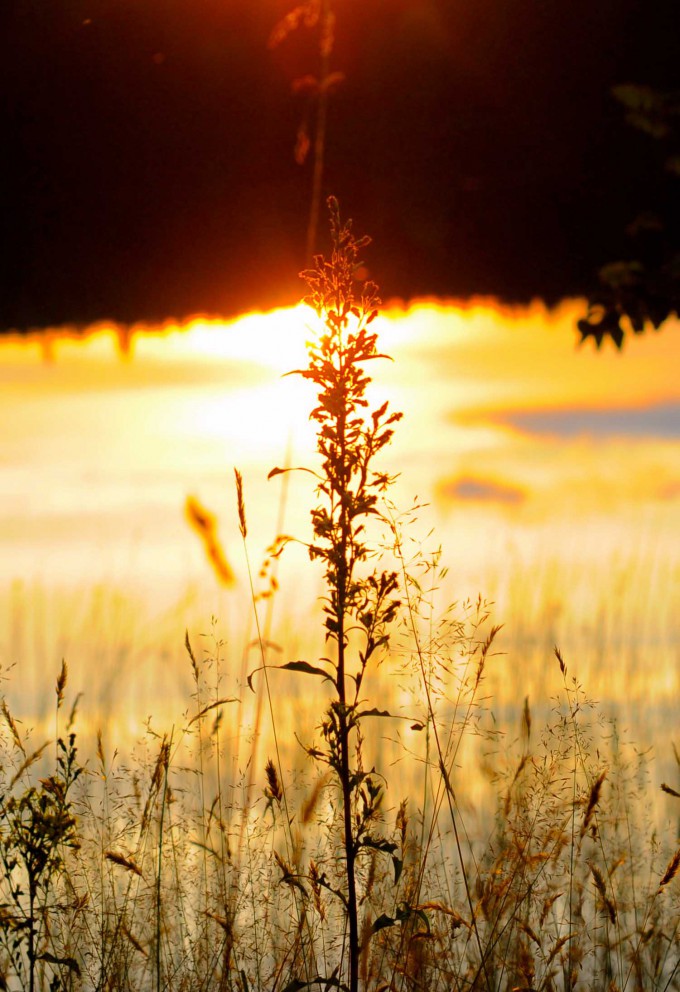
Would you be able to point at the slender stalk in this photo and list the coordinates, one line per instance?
(320, 133)
(441, 758)
(344, 579)
(262, 640)
(159, 873)
(31, 936)
(347, 441)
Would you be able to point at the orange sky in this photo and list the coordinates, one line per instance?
(550, 474)
(492, 423)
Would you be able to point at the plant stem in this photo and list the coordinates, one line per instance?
(31, 936)
(319, 135)
(345, 777)
(166, 758)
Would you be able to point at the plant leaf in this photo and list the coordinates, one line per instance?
(382, 923)
(70, 963)
(211, 706)
(305, 668)
(380, 844)
(331, 982)
(127, 863)
(295, 468)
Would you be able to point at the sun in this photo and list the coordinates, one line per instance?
(276, 339)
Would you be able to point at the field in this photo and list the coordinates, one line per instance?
(361, 775)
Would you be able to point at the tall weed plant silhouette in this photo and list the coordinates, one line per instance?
(360, 603)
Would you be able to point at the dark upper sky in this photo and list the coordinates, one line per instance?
(148, 163)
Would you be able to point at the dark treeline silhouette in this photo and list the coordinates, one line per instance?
(641, 289)
(149, 167)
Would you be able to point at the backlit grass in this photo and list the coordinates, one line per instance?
(374, 802)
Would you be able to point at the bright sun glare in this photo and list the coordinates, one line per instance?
(276, 339)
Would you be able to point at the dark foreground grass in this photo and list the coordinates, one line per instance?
(193, 864)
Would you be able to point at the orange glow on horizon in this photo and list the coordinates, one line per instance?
(465, 374)
(103, 454)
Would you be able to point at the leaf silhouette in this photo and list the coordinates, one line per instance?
(211, 706)
(373, 712)
(305, 668)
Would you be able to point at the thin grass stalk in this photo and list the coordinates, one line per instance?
(218, 779)
(268, 621)
(320, 130)
(410, 612)
(263, 658)
(572, 845)
(159, 871)
(594, 788)
(201, 775)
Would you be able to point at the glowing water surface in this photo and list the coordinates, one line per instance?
(549, 474)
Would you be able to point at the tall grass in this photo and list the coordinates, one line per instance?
(520, 856)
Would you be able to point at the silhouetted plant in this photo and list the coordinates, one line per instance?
(36, 826)
(359, 606)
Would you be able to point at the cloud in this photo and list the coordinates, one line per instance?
(661, 420)
(473, 489)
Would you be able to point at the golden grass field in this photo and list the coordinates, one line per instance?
(524, 832)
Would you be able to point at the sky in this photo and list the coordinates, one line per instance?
(548, 475)
(498, 438)
(149, 175)
(149, 168)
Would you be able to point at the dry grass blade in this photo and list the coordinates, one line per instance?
(211, 706)
(547, 906)
(160, 766)
(439, 907)
(204, 524)
(14, 730)
(289, 876)
(61, 683)
(311, 802)
(240, 504)
(557, 947)
(526, 722)
(133, 940)
(529, 932)
(669, 790)
(25, 765)
(207, 848)
(274, 789)
(127, 863)
(671, 871)
(221, 921)
(593, 800)
(194, 663)
(72, 715)
(100, 751)
(601, 887)
(520, 768)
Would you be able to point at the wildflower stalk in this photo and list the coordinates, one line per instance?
(348, 439)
